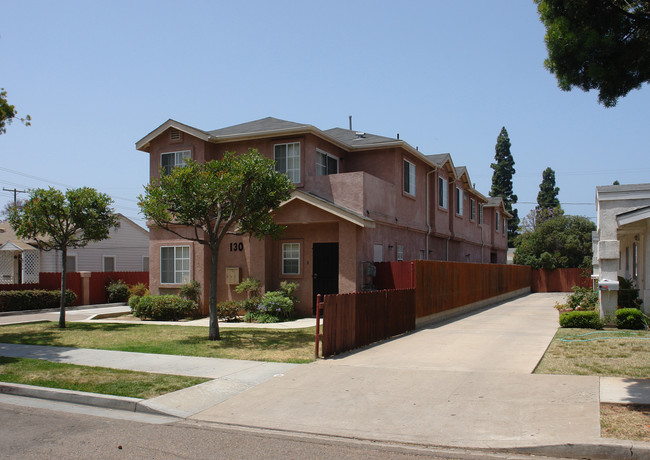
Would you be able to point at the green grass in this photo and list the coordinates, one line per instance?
(91, 379)
(622, 354)
(288, 346)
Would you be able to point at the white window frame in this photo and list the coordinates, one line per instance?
(408, 175)
(505, 225)
(324, 169)
(179, 159)
(480, 214)
(400, 252)
(291, 252)
(443, 199)
(283, 165)
(179, 274)
(459, 201)
(104, 263)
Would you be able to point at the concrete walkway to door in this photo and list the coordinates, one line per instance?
(464, 383)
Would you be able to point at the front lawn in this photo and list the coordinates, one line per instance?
(287, 346)
(92, 379)
(607, 353)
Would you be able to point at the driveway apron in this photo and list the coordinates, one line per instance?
(465, 382)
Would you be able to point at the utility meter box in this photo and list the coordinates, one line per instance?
(232, 275)
(608, 285)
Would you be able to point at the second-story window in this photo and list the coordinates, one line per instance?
(171, 160)
(496, 220)
(326, 164)
(442, 193)
(459, 201)
(409, 178)
(472, 209)
(480, 214)
(287, 160)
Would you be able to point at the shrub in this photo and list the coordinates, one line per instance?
(138, 289)
(133, 302)
(631, 318)
(274, 306)
(229, 311)
(117, 291)
(583, 298)
(35, 299)
(164, 307)
(581, 319)
(288, 288)
(250, 286)
(191, 291)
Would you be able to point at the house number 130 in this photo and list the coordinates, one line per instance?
(234, 247)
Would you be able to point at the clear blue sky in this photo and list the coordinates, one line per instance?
(98, 76)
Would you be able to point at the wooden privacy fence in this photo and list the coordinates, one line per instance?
(560, 279)
(361, 318)
(441, 286)
(96, 286)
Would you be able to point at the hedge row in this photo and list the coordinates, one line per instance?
(36, 299)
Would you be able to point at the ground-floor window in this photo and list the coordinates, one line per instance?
(290, 258)
(175, 264)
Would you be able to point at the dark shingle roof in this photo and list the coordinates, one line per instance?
(352, 139)
(258, 126)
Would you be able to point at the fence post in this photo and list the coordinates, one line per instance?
(317, 339)
(412, 275)
(85, 287)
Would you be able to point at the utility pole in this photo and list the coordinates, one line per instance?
(15, 192)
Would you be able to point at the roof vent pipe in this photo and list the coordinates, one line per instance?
(350, 117)
(397, 136)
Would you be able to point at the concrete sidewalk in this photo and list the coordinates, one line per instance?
(462, 383)
(109, 313)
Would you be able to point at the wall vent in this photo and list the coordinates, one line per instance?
(174, 135)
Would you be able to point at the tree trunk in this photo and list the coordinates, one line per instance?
(64, 255)
(212, 299)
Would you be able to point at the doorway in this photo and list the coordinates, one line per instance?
(325, 270)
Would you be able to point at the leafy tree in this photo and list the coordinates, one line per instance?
(234, 194)
(6, 211)
(504, 169)
(559, 242)
(57, 220)
(537, 216)
(547, 196)
(8, 113)
(598, 44)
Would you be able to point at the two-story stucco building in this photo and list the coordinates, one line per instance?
(359, 199)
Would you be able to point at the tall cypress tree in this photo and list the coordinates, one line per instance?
(547, 196)
(504, 169)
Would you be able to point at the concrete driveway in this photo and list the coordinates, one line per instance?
(465, 383)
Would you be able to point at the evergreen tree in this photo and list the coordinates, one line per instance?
(504, 169)
(547, 196)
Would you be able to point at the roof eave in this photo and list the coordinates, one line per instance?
(143, 144)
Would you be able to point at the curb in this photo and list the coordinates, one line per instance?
(619, 449)
(609, 449)
(51, 310)
(80, 397)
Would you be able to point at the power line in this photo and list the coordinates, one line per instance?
(16, 191)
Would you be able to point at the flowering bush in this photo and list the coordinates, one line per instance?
(273, 307)
(582, 299)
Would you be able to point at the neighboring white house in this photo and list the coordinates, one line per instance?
(621, 243)
(126, 249)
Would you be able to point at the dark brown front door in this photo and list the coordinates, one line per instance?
(325, 270)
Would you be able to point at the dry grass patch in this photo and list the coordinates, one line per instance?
(625, 422)
(608, 353)
(288, 345)
(92, 379)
